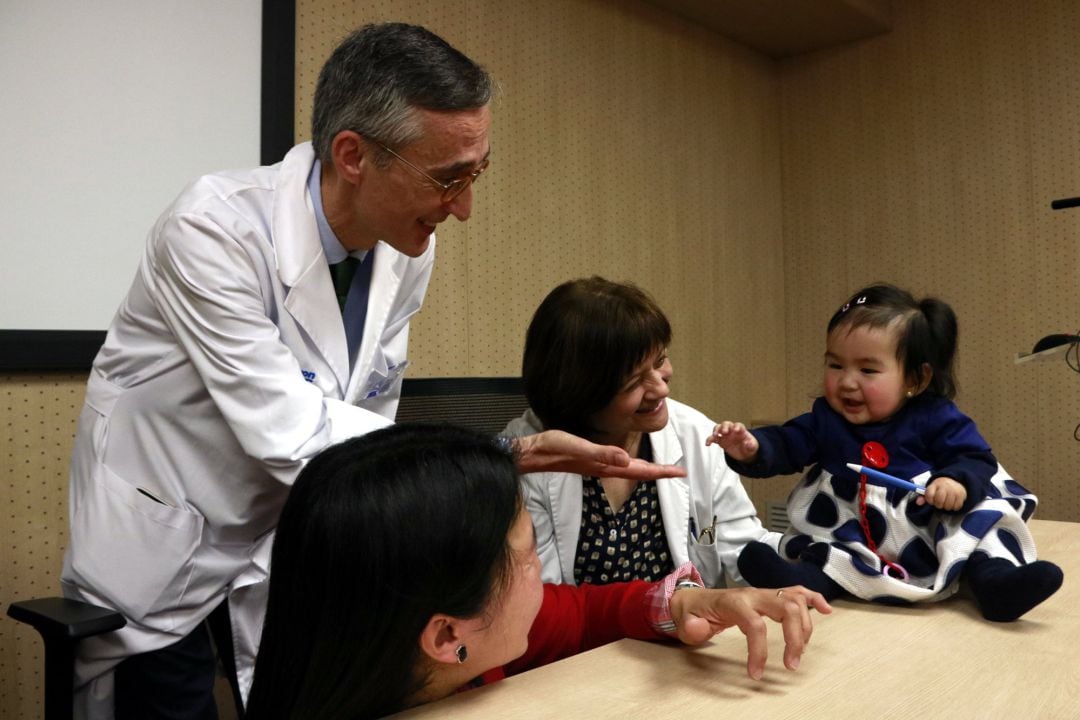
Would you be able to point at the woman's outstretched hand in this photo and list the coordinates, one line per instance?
(701, 613)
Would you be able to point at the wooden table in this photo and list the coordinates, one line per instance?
(940, 660)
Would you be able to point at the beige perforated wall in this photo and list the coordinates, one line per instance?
(928, 157)
(38, 414)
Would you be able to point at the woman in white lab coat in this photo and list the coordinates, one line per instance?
(596, 365)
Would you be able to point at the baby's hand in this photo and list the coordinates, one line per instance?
(944, 493)
(736, 441)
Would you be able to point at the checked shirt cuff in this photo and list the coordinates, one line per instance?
(658, 598)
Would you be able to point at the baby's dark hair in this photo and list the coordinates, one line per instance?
(926, 331)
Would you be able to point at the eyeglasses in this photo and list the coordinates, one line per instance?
(455, 187)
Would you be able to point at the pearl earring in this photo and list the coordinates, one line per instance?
(462, 653)
(909, 393)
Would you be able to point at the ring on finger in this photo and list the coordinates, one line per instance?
(779, 592)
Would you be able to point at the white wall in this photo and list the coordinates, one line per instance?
(109, 109)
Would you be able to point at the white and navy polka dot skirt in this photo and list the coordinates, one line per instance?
(930, 545)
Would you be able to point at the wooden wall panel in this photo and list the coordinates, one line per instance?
(928, 157)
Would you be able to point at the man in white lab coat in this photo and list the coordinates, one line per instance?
(228, 364)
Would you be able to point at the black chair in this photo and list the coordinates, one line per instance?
(484, 404)
(62, 624)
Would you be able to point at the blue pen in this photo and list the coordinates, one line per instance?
(888, 479)
(693, 528)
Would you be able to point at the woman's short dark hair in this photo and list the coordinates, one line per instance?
(378, 534)
(584, 341)
(376, 78)
(926, 330)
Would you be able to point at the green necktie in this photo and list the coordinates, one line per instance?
(342, 273)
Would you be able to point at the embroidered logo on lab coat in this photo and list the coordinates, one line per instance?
(378, 383)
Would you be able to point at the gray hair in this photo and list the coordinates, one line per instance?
(377, 77)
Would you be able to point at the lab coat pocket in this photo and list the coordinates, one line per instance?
(706, 559)
(135, 551)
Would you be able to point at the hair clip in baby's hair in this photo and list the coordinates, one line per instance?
(861, 300)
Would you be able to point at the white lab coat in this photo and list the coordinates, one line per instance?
(709, 489)
(223, 371)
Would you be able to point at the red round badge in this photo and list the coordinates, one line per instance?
(875, 455)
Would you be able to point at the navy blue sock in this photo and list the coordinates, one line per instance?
(762, 567)
(1004, 591)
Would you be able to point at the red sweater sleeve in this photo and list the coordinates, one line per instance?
(575, 618)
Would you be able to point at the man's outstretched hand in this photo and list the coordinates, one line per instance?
(555, 450)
